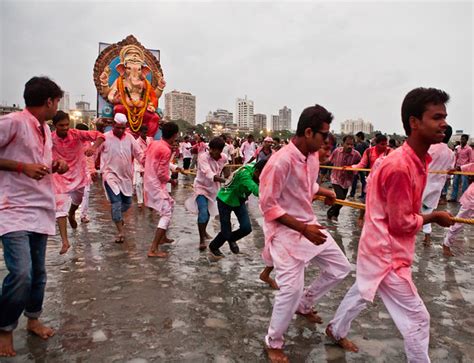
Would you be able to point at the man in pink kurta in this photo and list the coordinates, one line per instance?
(27, 208)
(466, 211)
(392, 219)
(68, 144)
(293, 236)
(157, 175)
(442, 158)
(206, 186)
(464, 155)
(116, 164)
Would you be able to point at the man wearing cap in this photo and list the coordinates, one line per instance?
(116, 164)
(265, 151)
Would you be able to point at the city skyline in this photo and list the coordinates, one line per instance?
(358, 59)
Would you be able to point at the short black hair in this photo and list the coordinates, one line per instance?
(415, 102)
(447, 134)
(276, 140)
(169, 129)
(379, 138)
(39, 89)
(217, 143)
(60, 115)
(465, 136)
(360, 135)
(82, 126)
(347, 137)
(313, 117)
(250, 136)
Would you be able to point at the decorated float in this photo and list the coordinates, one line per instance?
(129, 80)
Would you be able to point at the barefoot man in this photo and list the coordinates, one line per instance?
(392, 219)
(206, 186)
(116, 163)
(27, 208)
(157, 175)
(68, 145)
(293, 237)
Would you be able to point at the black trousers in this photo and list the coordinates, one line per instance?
(341, 193)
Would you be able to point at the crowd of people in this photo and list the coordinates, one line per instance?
(45, 177)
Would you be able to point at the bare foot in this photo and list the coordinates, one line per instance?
(159, 254)
(65, 247)
(6, 344)
(119, 239)
(167, 240)
(202, 246)
(140, 205)
(267, 279)
(427, 240)
(344, 343)
(447, 251)
(85, 220)
(276, 355)
(36, 327)
(312, 316)
(72, 220)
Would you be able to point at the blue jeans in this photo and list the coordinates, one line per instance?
(226, 233)
(203, 208)
(23, 288)
(465, 184)
(120, 203)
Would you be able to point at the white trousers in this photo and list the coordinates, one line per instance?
(139, 189)
(291, 297)
(405, 307)
(426, 227)
(85, 201)
(456, 229)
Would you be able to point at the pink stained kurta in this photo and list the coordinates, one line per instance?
(71, 149)
(287, 186)
(463, 155)
(157, 175)
(442, 158)
(392, 220)
(116, 162)
(247, 150)
(26, 203)
(340, 158)
(467, 199)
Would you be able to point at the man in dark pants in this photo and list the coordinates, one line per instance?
(361, 145)
(232, 198)
(341, 180)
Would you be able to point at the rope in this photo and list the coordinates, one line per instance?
(429, 171)
(362, 206)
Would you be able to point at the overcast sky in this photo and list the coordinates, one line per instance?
(357, 59)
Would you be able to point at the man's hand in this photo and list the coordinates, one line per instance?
(173, 182)
(35, 171)
(179, 170)
(219, 179)
(94, 177)
(444, 219)
(330, 198)
(314, 234)
(60, 166)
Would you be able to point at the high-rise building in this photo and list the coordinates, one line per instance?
(259, 121)
(354, 126)
(275, 123)
(284, 118)
(180, 106)
(64, 103)
(244, 113)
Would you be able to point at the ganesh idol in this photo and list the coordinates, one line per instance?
(132, 92)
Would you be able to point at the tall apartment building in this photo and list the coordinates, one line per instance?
(275, 123)
(180, 106)
(284, 119)
(354, 126)
(259, 121)
(244, 113)
(64, 104)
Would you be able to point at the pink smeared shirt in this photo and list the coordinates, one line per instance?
(26, 203)
(442, 158)
(467, 199)
(71, 149)
(116, 161)
(287, 186)
(204, 183)
(392, 219)
(157, 174)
